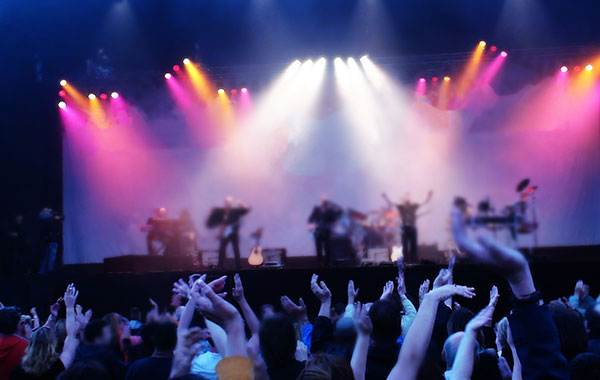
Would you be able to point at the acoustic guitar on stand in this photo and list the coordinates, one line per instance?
(256, 258)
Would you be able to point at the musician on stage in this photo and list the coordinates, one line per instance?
(320, 223)
(157, 233)
(408, 215)
(228, 219)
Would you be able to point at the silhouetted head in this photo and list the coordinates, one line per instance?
(97, 331)
(585, 366)
(9, 320)
(326, 367)
(592, 316)
(164, 336)
(387, 321)
(451, 348)
(277, 340)
(571, 329)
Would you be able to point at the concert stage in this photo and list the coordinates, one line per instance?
(555, 271)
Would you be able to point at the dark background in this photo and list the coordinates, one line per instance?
(43, 41)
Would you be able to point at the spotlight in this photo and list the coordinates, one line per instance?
(364, 58)
(482, 44)
(114, 95)
(493, 48)
(92, 96)
(233, 92)
(434, 79)
(63, 82)
(421, 80)
(103, 96)
(577, 69)
(176, 68)
(62, 105)
(168, 76)
(186, 61)
(244, 90)
(221, 91)
(504, 54)
(446, 79)
(62, 93)
(337, 60)
(564, 69)
(589, 67)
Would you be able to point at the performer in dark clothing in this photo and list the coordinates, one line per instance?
(320, 222)
(408, 214)
(228, 219)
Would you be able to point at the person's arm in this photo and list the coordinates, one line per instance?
(388, 290)
(462, 368)
(249, 315)
(423, 289)
(54, 309)
(182, 288)
(516, 371)
(361, 347)
(35, 317)
(352, 293)
(428, 199)
(417, 340)
(321, 291)
(68, 353)
(224, 314)
(534, 333)
(387, 200)
(410, 312)
(260, 368)
(218, 336)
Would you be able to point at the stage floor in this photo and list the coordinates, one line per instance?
(554, 273)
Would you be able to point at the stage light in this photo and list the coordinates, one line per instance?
(221, 91)
(364, 58)
(62, 105)
(434, 79)
(168, 76)
(589, 67)
(577, 69)
(446, 79)
(91, 96)
(186, 61)
(63, 82)
(176, 68)
(103, 96)
(504, 54)
(114, 95)
(337, 60)
(244, 90)
(493, 48)
(421, 80)
(62, 93)
(482, 44)
(233, 92)
(564, 69)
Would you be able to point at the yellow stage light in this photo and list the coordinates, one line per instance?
(221, 91)
(446, 79)
(63, 82)
(186, 61)
(482, 44)
(589, 67)
(91, 96)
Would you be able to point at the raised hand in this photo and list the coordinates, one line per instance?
(214, 306)
(401, 287)
(238, 290)
(55, 308)
(361, 319)
(70, 297)
(579, 288)
(444, 277)
(484, 317)
(388, 289)
(444, 292)
(320, 290)
(33, 311)
(423, 289)
(507, 261)
(298, 312)
(352, 293)
(182, 288)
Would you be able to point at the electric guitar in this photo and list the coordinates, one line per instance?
(255, 258)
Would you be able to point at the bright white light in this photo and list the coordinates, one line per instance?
(114, 95)
(62, 105)
(186, 61)
(92, 96)
(63, 82)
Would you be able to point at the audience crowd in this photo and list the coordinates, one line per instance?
(394, 337)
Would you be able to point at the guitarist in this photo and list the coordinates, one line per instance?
(320, 223)
(228, 220)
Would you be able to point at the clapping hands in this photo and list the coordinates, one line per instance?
(320, 289)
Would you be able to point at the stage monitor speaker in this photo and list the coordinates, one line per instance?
(274, 257)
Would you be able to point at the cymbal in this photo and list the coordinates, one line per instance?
(523, 185)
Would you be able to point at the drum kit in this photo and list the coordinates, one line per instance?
(518, 218)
